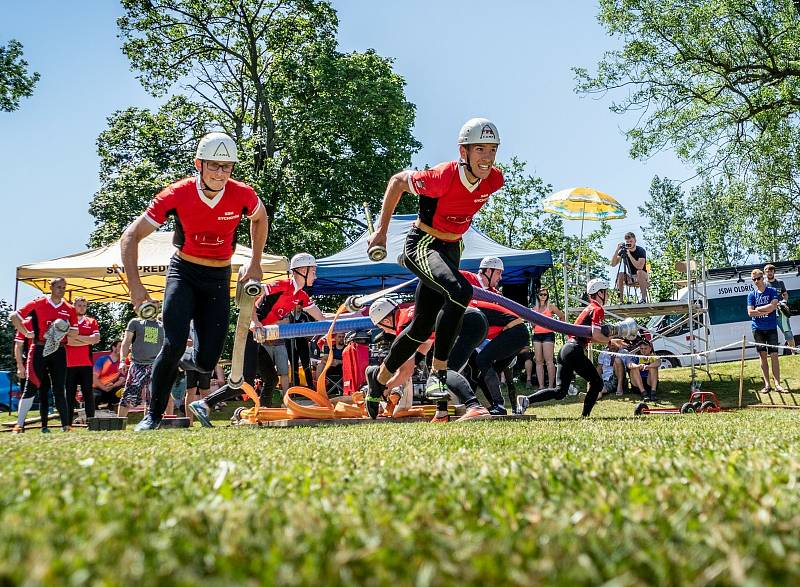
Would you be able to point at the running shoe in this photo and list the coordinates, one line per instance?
(66, 429)
(17, 429)
(201, 411)
(375, 395)
(147, 423)
(45, 431)
(497, 410)
(475, 413)
(436, 386)
(440, 419)
(522, 404)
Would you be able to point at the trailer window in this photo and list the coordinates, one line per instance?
(727, 310)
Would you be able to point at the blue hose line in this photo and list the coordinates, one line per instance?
(531, 316)
(308, 329)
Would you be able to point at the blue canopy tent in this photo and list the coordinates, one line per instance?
(351, 272)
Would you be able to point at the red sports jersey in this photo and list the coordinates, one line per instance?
(497, 316)
(592, 315)
(80, 356)
(204, 228)
(278, 300)
(43, 313)
(447, 201)
(28, 324)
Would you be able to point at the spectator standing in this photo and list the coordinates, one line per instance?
(783, 308)
(21, 353)
(338, 350)
(762, 304)
(79, 359)
(107, 379)
(544, 339)
(634, 267)
(143, 341)
(48, 371)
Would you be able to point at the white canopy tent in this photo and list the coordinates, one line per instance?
(97, 274)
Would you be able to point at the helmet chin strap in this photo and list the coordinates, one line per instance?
(467, 164)
(304, 276)
(205, 185)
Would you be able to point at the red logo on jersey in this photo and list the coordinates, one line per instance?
(458, 219)
(419, 184)
(208, 239)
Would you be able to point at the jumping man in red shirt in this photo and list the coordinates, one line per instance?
(572, 359)
(206, 209)
(450, 194)
(48, 371)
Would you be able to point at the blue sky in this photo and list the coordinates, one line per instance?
(508, 60)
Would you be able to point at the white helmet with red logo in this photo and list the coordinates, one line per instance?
(217, 146)
(478, 130)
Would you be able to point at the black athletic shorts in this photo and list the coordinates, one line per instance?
(766, 337)
(198, 379)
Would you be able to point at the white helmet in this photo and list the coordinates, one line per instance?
(491, 263)
(478, 130)
(302, 260)
(595, 285)
(380, 309)
(217, 146)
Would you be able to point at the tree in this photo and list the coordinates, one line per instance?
(320, 131)
(140, 153)
(7, 332)
(15, 81)
(717, 80)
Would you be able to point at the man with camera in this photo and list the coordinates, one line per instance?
(634, 267)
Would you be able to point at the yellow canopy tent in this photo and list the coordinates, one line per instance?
(95, 274)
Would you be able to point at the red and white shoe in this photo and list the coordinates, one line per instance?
(475, 413)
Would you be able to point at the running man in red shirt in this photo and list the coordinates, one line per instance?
(206, 210)
(572, 359)
(450, 194)
(48, 371)
(79, 359)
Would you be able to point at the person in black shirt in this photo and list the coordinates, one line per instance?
(634, 265)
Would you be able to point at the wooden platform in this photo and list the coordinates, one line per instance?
(302, 422)
(644, 310)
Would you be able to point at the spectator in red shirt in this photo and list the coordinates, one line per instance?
(46, 372)
(79, 359)
(450, 194)
(207, 210)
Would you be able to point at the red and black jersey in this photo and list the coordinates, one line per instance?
(81, 356)
(26, 342)
(497, 316)
(43, 313)
(403, 317)
(447, 200)
(204, 228)
(278, 300)
(592, 315)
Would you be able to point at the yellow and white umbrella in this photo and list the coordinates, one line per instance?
(584, 204)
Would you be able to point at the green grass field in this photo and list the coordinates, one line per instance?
(678, 500)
